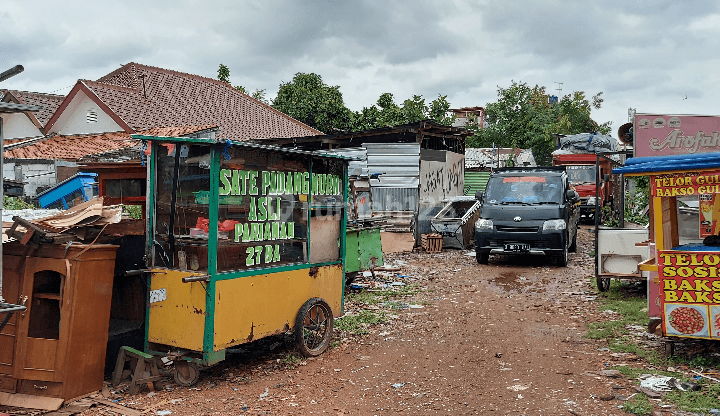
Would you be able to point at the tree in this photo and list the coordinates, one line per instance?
(387, 113)
(308, 99)
(523, 117)
(224, 76)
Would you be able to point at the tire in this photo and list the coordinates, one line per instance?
(313, 327)
(482, 258)
(186, 374)
(573, 244)
(603, 283)
(562, 259)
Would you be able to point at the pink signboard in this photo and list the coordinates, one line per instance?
(662, 135)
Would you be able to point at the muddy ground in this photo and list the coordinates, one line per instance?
(502, 338)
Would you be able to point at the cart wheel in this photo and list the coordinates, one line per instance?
(482, 258)
(313, 327)
(669, 348)
(186, 373)
(603, 284)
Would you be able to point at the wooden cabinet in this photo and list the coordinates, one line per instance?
(57, 346)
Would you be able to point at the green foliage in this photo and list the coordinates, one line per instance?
(387, 113)
(133, 211)
(308, 99)
(10, 202)
(635, 203)
(523, 118)
(697, 401)
(291, 361)
(638, 405)
(224, 76)
(358, 324)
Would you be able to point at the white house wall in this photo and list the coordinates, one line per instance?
(77, 118)
(35, 174)
(18, 126)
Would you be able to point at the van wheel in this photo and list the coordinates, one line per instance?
(562, 259)
(482, 258)
(573, 244)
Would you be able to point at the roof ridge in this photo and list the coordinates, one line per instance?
(33, 92)
(104, 84)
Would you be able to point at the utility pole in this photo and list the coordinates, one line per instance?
(559, 88)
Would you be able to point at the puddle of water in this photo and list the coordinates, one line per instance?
(511, 281)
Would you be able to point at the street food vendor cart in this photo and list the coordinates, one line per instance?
(684, 281)
(244, 241)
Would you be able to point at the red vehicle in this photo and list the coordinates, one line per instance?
(582, 174)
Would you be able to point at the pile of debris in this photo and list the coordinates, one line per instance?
(79, 223)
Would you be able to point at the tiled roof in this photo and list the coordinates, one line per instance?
(73, 148)
(170, 98)
(48, 102)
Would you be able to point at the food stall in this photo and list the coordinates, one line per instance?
(244, 241)
(684, 282)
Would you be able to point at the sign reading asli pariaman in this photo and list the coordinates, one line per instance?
(662, 135)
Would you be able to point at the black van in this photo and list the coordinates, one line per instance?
(528, 211)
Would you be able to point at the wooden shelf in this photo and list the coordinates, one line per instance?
(649, 265)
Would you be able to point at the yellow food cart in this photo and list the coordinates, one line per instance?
(684, 263)
(244, 241)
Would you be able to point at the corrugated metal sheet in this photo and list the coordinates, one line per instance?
(394, 199)
(475, 181)
(355, 167)
(397, 163)
(489, 157)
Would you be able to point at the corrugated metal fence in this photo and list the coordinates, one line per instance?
(475, 181)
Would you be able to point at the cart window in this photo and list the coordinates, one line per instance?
(181, 207)
(326, 210)
(688, 219)
(263, 209)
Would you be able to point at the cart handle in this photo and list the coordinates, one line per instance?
(190, 279)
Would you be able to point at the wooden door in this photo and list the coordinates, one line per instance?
(41, 339)
(12, 281)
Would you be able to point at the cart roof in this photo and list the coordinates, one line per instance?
(653, 164)
(270, 148)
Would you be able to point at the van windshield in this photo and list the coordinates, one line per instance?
(524, 190)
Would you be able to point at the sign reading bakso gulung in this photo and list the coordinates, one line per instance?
(690, 285)
(265, 190)
(662, 135)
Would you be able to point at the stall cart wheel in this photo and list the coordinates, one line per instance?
(669, 348)
(603, 284)
(313, 327)
(186, 373)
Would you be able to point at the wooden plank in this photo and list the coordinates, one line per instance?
(30, 402)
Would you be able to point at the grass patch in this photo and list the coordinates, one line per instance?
(358, 324)
(638, 405)
(629, 310)
(697, 401)
(291, 361)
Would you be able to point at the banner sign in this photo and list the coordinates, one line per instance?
(686, 183)
(690, 293)
(662, 135)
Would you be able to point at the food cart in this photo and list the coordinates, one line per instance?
(684, 267)
(244, 241)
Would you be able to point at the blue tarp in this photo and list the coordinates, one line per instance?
(649, 164)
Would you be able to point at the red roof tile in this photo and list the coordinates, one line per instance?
(73, 148)
(171, 98)
(48, 102)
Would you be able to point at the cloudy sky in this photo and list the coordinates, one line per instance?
(657, 57)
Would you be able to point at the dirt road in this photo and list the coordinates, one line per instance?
(503, 338)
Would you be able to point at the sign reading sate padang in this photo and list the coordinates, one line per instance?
(686, 183)
(690, 287)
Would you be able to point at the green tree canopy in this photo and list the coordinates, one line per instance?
(308, 99)
(387, 113)
(224, 76)
(523, 117)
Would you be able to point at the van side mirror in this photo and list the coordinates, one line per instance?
(479, 195)
(571, 195)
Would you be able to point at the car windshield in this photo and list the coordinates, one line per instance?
(524, 190)
(581, 174)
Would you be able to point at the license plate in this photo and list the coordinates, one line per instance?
(517, 247)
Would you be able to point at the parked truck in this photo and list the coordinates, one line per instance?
(582, 173)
